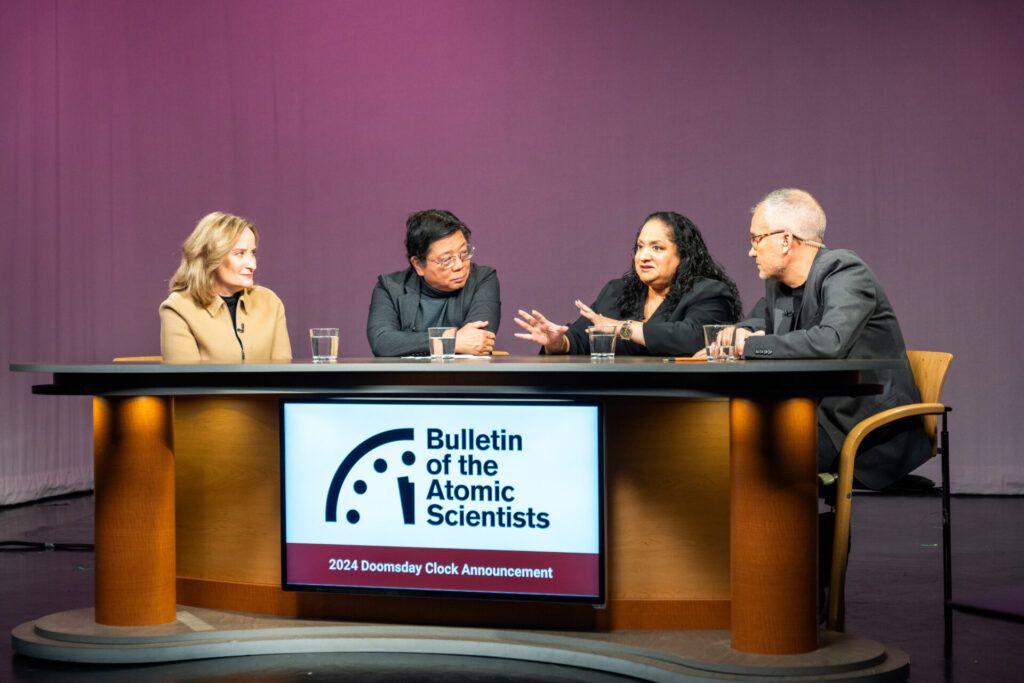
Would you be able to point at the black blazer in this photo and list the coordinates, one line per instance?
(681, 334)
(396, 299)
(844, 313)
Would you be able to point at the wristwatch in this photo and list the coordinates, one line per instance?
(626, 331)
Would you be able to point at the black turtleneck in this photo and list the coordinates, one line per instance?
(433, 306)
(232, 304)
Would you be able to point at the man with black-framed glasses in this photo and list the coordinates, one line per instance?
(826, 303)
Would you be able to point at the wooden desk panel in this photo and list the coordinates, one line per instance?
(228, 489)
(668, 499)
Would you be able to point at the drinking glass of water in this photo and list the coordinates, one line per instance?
(602, 341)
(442, 343)
(324, 343)
(720, 343)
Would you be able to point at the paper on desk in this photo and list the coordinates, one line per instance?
(458, 355)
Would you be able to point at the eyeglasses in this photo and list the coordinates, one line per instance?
(448, 262)
(756, 239)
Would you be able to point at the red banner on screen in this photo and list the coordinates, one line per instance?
(444, 569)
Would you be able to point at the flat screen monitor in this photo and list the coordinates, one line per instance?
(472, 498)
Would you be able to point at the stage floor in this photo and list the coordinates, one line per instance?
(894, 598)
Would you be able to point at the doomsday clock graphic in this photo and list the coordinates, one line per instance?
(350, 483)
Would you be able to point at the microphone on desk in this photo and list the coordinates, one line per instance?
(241, 328)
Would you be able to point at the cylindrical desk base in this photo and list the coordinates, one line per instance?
(134, 482)
(773, 525)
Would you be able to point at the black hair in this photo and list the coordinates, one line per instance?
(695, 262)
(426, 227)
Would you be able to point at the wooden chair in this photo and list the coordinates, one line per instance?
(929, 368)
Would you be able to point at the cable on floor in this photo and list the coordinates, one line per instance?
(18, 546)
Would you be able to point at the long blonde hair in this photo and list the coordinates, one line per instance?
(204, 251)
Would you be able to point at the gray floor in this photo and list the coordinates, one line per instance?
(894, 589)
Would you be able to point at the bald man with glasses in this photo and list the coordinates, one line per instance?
(826, 303)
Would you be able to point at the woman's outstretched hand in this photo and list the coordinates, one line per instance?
(596, 318)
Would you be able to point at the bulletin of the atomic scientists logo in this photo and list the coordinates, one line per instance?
(490, 498)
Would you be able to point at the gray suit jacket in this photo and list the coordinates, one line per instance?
(396, 299)
(845, 313)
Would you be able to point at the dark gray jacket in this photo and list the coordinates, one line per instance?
(396, 299)
(845, 313)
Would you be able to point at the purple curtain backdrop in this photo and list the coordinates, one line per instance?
(551, 128)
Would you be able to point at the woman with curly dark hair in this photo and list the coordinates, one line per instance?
(659, 306)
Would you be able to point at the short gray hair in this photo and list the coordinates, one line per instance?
(795, 210)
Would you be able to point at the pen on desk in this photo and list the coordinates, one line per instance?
(683, 359)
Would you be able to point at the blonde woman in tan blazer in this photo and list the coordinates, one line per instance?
(215, 311)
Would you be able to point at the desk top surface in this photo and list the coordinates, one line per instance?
(498, 364)
(521, 375)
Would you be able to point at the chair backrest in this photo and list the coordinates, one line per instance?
(930, 369)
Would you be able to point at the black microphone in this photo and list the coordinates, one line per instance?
(241, 328)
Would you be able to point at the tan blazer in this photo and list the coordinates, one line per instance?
(191, 333)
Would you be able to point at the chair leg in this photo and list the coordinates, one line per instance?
(836, 617)
(947, 550)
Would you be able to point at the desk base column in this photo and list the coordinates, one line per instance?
(134, 484)
(773, 525)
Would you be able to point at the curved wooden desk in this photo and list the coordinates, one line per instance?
(669, 426)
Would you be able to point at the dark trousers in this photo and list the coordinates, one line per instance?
(828, 456)
(828, 460)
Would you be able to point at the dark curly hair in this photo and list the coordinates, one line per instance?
(695, 262)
